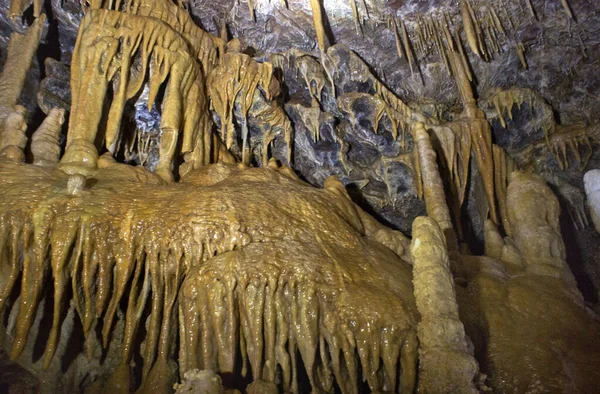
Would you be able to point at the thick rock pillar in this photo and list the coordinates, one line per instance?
(445, 364)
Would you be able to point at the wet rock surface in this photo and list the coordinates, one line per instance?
(331, 100)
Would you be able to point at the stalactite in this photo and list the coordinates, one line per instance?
(504, 102)
(469, 26)
(421, 39)
(447, 35)
(398, 120)
(456, 145)
(433, 188)
(311, 117)
(567, 8)
(463, 58)
(364, 2)
(295, 314)
(315, 6)
(276, 123)
(397, 38)
(164, 54)
(497, 22)
(235, 81)
(521, 54)
(407, 47)
(18, 8)
(21, 49)
(251, 10)
(572, 137)
(444, 47)
(357, 23)
(479, 129)
(312, 73)
(531, 9)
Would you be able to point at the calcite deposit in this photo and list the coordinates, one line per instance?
(298, 196)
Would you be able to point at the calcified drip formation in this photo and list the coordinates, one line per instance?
(209, 266)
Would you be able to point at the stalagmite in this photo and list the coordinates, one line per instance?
(45, 146)
(533, 213)
(445, 363)
(13, 136)
(494, 244)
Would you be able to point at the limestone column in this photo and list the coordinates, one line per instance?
(445, 364)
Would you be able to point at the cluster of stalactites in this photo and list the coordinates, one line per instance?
(237, 81)
(135, 50)
(150, 43)
(559, 139)
(267, 319)
(203, 46)
(195, 286)
(468, 136)
(103, 265)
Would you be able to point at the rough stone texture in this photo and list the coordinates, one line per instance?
(54, 90)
